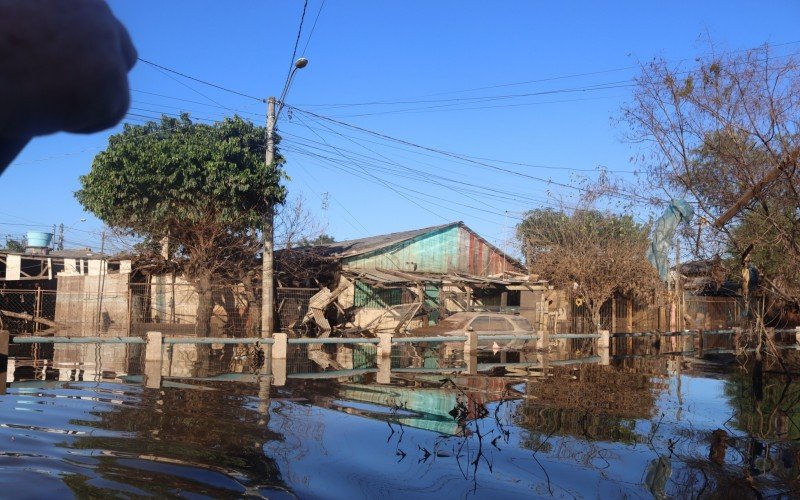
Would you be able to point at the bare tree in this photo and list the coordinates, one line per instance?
(724, 134)
(592, 253)
(295, 223)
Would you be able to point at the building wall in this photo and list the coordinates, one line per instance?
(78, 300)
(451, 249)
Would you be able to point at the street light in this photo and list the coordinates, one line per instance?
(298, 64)
(267, 259)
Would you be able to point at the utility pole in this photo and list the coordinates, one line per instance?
(61, 236)
(267, 261)
(101, 280)
(267, 299)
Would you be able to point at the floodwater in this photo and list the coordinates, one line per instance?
(78, 421)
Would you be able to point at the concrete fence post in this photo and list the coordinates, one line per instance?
(153, 360)
(543, 342)
(4, 334)
(384, 345)
(797, 335)
(604, 347)
(278, 371)
(153, 348)
(471, 344)
(737, 338)
(384, 358)
(281, 346)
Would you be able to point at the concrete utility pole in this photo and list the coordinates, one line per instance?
(267, 299)
(267, 261)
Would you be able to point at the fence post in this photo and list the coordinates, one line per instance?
(281, 346)
(737, 338)
(153, 348)
(4, 334)
(385, 345)
(543, 342)
(699, 341)
(471, 344)
(278, 371)
(604, 347)
(384, 358)
(153, 360)
(797, 335)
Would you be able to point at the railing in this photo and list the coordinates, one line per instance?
(154, 343)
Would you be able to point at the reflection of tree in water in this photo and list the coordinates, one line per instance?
(209, 431)
(765, 461)
(593, 402)
(756, 455)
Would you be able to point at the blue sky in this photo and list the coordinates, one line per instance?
(420, 60)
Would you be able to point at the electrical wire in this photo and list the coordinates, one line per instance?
(313, 27)
(612, 192)
(204, 82)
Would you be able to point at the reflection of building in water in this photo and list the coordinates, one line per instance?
(601, 401)
(429, 405)
(96, 361)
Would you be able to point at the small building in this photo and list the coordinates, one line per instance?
(67, 292)
(403, 280)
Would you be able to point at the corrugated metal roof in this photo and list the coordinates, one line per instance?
(361, 246)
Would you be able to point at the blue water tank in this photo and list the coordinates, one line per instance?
(39, 239)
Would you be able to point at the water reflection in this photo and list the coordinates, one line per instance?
(222, 422)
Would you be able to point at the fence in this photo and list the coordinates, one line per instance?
(67, 312)
(185, 358)
(141, 307)
(236, 310)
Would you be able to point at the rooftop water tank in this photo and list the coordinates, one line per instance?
(39, 239)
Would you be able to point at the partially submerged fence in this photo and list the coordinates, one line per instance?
(159, 349)
(141, 307)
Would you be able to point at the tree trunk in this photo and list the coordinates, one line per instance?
(253, 311)
(594, 316)
(205, 306)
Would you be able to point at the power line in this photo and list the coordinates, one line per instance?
(297, 40)
(453, 107)
(220, 87)
(534, 81)
(377, 178)
(494, 160)
(486, 98)
(313, 27)
(613, 192)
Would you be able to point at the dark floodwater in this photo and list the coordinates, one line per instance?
(80, 423)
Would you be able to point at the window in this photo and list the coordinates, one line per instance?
(522, 324)
(490, 324)
(501, 325)
(376, 298)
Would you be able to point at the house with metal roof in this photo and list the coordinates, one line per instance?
(411, 278)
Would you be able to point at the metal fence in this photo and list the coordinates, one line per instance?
(236, 311)
(73, 313)
(141, 307)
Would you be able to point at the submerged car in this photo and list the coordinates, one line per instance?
(485, 324)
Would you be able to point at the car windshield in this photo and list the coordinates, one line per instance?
(522, 323)
(490, 324)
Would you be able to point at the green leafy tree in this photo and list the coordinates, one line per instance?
(16, 246)
(322, 239)
(205, 187)
(592, 253)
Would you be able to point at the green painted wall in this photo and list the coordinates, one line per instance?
(435, 252)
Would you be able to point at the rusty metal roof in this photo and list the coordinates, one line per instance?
(390, 277)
